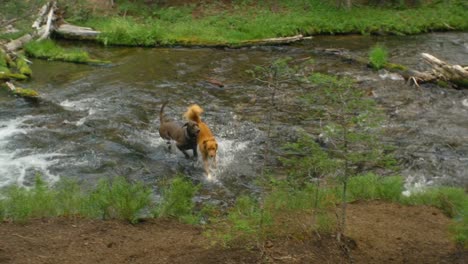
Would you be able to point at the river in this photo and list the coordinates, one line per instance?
(97, 122)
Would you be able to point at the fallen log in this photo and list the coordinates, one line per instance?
(18, 43)
(14, 66)
(40, 18)
(215, 82)
(445, 69)
(40, 29)
(273, 41)
(45, 30)
(46, 24)
(441, 73)
(25, 93)
(75, 32)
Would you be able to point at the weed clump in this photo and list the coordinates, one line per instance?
(120, 199)
(21, 204)
(378, 57)
(177, 201)
(115, 198)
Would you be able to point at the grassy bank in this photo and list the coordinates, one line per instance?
(135, 23)
(49, 50)
(242, 21)
(246, 221)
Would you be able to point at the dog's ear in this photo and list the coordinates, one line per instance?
(204, 143)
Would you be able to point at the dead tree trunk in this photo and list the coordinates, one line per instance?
(75, 32)
(46, 24)
(273, 41)
(456, 75)
(18, 43)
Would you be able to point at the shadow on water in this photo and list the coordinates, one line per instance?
(97, 122)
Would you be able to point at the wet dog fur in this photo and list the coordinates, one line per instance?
(206, 141)
(185, 136)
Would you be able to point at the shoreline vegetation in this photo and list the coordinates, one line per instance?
(236, 23)
(248, 221)
(219, 24)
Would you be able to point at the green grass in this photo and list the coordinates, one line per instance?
(116, 198)
(452, 201)
(177, 201)
(22, 66)
(119, 199)
(378, 57)
(218, 26)
(282, 210)
(48, 49)
(22, 204)
(373, 187)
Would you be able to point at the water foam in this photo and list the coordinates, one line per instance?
(230, 152)
(17, 163)
(416, 183)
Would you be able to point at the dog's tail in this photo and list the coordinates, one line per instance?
(193, 113)
(161, 112)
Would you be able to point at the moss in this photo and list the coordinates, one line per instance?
(461, 83)
(4, 70)
(3, 60)
(22, 92)
(442, 83)
(23, 67)
(8, 76)
(49, 50)
(28, 93)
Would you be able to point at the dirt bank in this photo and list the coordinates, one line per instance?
(382, 233)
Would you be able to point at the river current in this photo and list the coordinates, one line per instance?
(96, 122)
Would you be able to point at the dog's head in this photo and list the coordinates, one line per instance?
(211, 147)
(192, 128)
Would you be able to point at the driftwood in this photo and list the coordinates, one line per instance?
(441, 71)
(45, 30)
(25, 93)
(42, 25)
(215, 82)
(18, 43)
(75, 32)
(273, 41)
(40, 17)
(455, 75)
(46, 24)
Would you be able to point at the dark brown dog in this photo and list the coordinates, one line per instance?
(185, 136)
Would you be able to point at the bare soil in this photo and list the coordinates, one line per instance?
(377, 233)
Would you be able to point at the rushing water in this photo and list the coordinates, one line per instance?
(95, 122)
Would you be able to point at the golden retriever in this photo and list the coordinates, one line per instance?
(206, 141)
